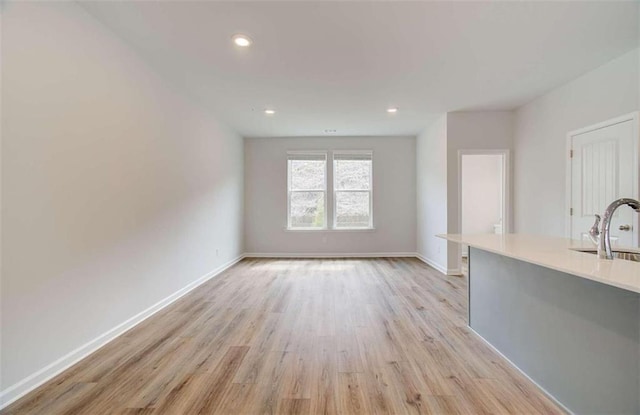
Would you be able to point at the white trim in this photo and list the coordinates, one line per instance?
(432, 264)
(332, 255)
(632, 116)
(506, 192)
(635, 118)
(26, 385)
(306, 152)
(546, 392)
(354, 152)
(312, 230)
(438, 267)
(328, 230)
(567, 186)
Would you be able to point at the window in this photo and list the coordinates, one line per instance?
(351, 200)
(307, 190)
(352, 185)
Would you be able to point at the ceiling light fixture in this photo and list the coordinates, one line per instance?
(242, 40)
(392, 110)
(269, 112)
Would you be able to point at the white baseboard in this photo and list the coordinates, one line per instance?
(549, 395)
(452, 271)
(26, 385)
(431, 263)
(332, 255)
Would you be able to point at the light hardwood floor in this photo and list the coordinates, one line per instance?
(351, 336)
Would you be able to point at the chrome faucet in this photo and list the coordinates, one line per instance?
(604, 247)
(594, 232)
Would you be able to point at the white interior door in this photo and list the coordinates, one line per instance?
(604, 168)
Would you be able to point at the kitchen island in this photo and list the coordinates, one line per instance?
(569, 320)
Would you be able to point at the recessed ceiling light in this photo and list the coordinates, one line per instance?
(392, 110)
(269, 112)
(330, 131)
(241, 40)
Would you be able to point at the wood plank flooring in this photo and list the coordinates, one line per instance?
(350, 336)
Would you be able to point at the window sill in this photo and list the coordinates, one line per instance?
(326, 230)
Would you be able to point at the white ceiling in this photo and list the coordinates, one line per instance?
(339, 65)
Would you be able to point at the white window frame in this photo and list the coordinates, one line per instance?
(291, 155)
(335, 191)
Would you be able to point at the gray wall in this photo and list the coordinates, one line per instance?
(578, 339)
(473, 130)
(394, 202)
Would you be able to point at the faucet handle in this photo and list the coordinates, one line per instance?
(594, 232)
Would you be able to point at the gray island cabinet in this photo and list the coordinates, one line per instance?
(568, 320)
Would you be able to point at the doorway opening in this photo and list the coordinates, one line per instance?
(483, 196)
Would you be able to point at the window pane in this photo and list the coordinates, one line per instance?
(307, 174)
(352, 210)
(352, 174)
(307, 209)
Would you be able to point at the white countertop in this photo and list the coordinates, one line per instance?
(554, 253)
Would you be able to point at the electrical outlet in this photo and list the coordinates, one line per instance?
(217, 252)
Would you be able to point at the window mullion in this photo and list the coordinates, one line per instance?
(330, 199)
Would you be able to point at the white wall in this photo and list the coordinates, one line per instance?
(116, 189)
(431, 187)
(394, 203)
(540, 138)
(481, 193)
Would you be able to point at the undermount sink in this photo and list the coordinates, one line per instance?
(627, 254)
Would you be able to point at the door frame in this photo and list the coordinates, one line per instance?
(634, 117)
(506, 190)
